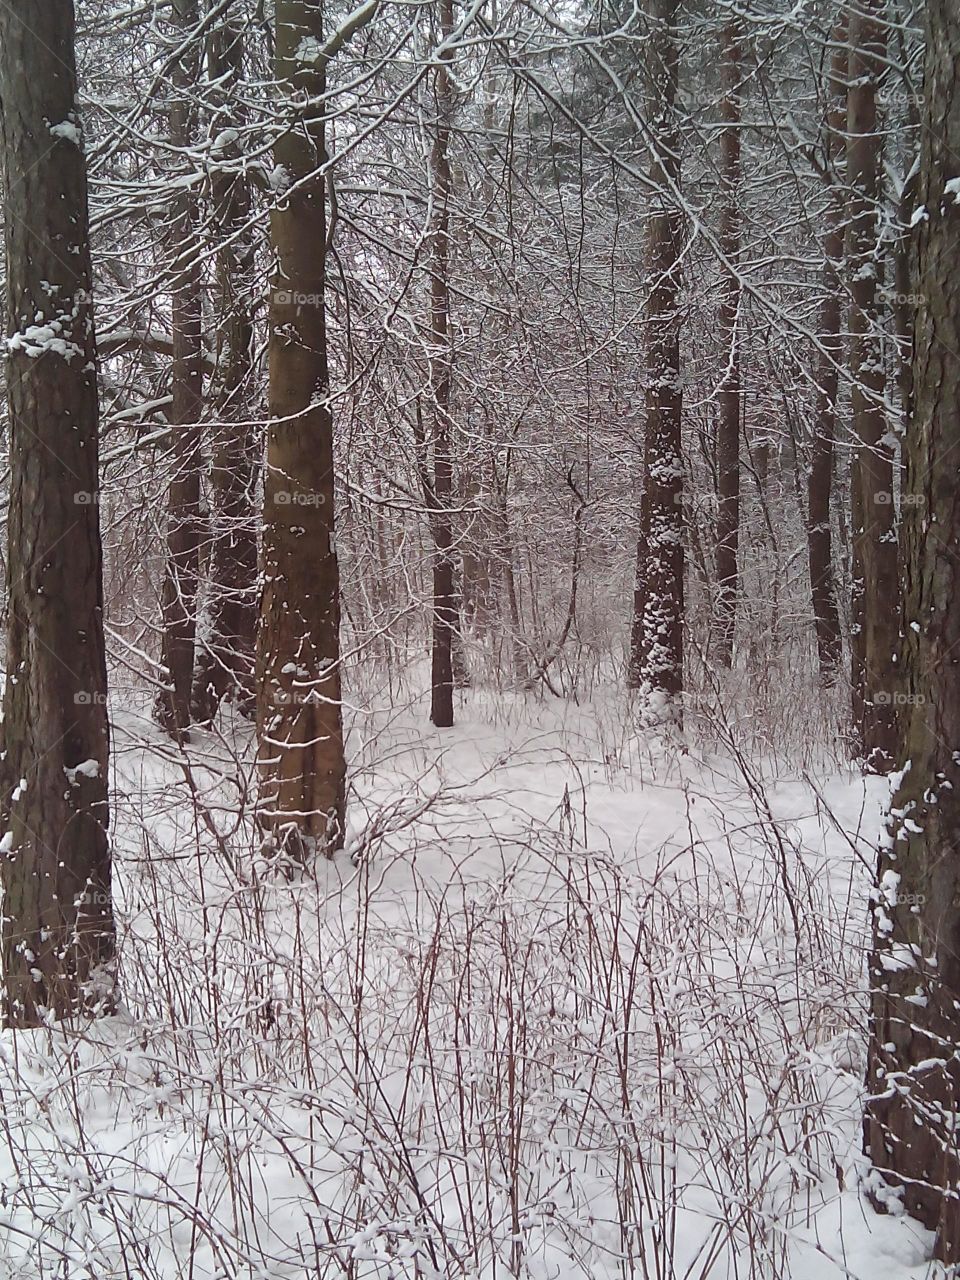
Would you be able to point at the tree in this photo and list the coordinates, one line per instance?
(299, 715)
(445, 598)
(826, 377)
(225, 664)
(728, 435)
(911, 1130)
(657, 639)
(183, 496)
(872, 490)
(57, 932)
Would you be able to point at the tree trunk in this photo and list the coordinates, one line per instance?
(178, 605)
(299, 714)
(57, 932)
(820, 479)
(226, 664)
(728, 435)
(657, 650)
(911, 1128)
(874, 609)
(445, 599)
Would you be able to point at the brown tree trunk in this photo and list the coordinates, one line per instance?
(657, 649)
(820, 479)
(875, 586)
(178, 604)
(225, 666)
(57, 933)
(445, 601)
(728, 434)
(299, 714)
(911, 1122)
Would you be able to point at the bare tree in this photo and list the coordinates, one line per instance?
(225, 664)
(183, 497)
(657, 642)
(728, 432)
(445, 598)
(820, 477)
(872, 489)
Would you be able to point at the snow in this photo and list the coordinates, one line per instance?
(549, 1013)
(309, 50)
(40, 339)
(67, 131)
(86, 769)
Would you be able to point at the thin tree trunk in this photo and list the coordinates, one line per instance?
(57, 932)
(225, 665)
(657, 654)
(874, 531)
(179, 597)
(299, 713)
(913, 1078)
(728, 436)
(445, 602)
(820, 479)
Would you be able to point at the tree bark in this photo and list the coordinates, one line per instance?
(820, 478)
(179, 598)
(57, 931)
(225, 666)
(911, 1128)
(657, 636)
(728, 435)
(445, 598)
(299, 713)
(874, 531)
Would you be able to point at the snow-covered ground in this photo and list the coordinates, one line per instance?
(570, 1004)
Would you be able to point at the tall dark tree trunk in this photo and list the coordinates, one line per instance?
(875, 584)
(225, 666)
(728, 430)
(657, 644)
(299, 712)
(820, 478)
(178, 604)
(57, 933)
(445, 597)
(911, 1123)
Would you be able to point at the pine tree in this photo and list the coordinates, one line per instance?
(57, 932)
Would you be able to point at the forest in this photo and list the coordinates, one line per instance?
(480, 744)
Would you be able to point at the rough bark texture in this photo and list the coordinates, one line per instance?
(728, 427)
(57, 934)
(299, 714)
(820, 478)
(657, 656)
(179, 600)
(445, 598)
(225, 665)
(911, 1128)
(875, 584)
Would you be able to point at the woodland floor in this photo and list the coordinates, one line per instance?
(572, 1003)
